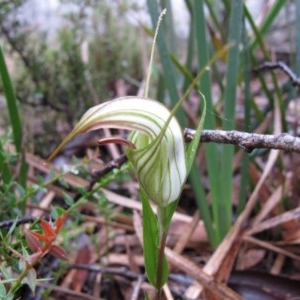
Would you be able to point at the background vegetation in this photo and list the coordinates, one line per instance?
(97, 54)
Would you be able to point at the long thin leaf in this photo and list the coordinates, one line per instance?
(151, 244)
(205, 87)
(225, 205)
(11, 103)
(268, 20)
(167, 66)
(247, 111)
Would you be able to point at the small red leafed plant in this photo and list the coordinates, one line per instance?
(42, 243)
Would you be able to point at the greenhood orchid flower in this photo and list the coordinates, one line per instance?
(155, 147)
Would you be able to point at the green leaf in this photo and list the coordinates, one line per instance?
(11, 103)
(211, 151)
(235, 34)
(15, 122)
(12, 228)
(2, 291)
(5, 273)
(168, 69)
(68, 199)
(151, 244)
(272, 13)
(30, 279)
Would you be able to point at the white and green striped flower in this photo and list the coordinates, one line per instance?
(156, 149)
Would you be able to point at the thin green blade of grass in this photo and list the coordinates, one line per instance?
(202, 203)
(247, 113)
(268, 20)
(190, 49)
(266, 54)
(235, 24)
(215, 19)
(169, 25)
(150, 242)
(11, 101)
(167, 66)
(194, 175)
(205, 87)
(259, 39)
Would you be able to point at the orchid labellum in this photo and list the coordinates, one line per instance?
(155, 146)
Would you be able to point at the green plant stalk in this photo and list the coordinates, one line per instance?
(167, 66)
(163, 232)
(247, 111)
(192, 169)
(11, 101)
(161, 257)
(267, 56)
(205, 87)
(215, 18)
(194, 176)
(190, 51)
(193, 146)
(225, 207)
(201, 200)
(15, 121)
(253, 59)
(268, 21)
(147, 85)
(169, 25)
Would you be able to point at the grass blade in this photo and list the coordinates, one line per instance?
(247, 111)
(268, 20)
(11, 103)
(205, 87)
(225, 205)
(167, 66)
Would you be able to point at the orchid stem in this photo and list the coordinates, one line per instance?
(161, 254)
(163, 231)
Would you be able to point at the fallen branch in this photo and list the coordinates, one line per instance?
(282, 66)
(247, 141)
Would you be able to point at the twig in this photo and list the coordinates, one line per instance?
(116, 163)
(282, 66)
(124, 272)
(247, 141)
(137, 288)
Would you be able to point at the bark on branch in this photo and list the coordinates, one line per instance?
(247, 141)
